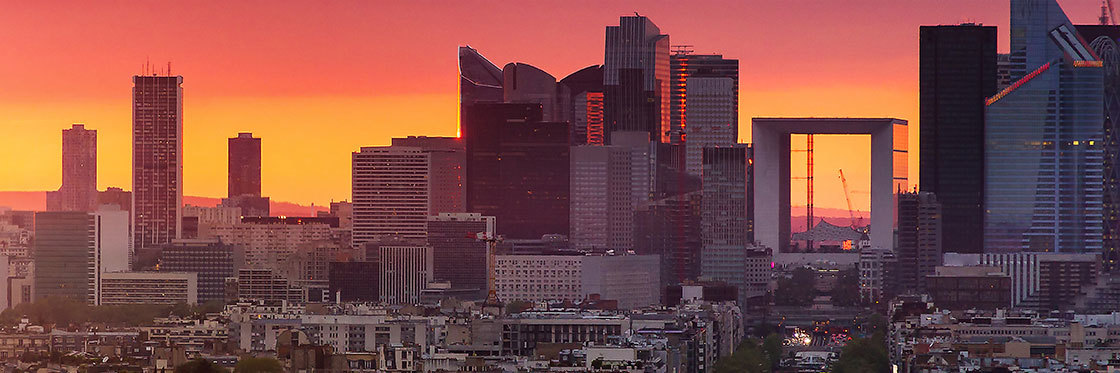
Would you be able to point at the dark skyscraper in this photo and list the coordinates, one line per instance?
(1105, 41)
(244, 165)
(683, 65)
(157, 159)
(919, 239)
(636, 78)
(581, 103)
(79, 172)
(479, 79)
(245, 176)
(957, 72)
(211, 259)
(517, 168)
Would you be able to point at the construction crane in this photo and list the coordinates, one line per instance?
(1108, 16)
(848, 195)
(491, 241)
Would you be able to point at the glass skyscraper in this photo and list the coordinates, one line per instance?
(1044, 134)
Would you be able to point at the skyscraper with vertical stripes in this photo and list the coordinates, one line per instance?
(157, 159)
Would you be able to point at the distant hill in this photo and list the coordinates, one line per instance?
(37, 201)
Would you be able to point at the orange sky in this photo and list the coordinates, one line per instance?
(318, 79)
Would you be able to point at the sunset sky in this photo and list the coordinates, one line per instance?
(319, 79)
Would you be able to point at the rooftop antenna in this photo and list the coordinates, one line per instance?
(168, 68)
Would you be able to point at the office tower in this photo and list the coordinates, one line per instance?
(245, 176)
(878, 269)
(517, 168)
(457, 255)
(1040, 281)
(1105, 41)
(957, 72)
(115, 196)
(725, 203)
(524, 83)
(581, 103)
(79, 172)
(636, 78)
(1044, 161)
(602, 210)
(111, 251)
(1003, 71)
(724, 223)
(157, 159)
(353, 281)
(448, 173)
(711, 118)
(61, 253)
(244, 165)
(404, 270)
(919, 242)
(390, 193)
(212, 260)
(684, 65)
(670, 228)
(479, 79)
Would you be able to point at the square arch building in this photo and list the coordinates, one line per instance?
(771, 137)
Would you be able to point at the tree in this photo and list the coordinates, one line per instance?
(748, 358)
(258, 365)
(798, 290)
(864, 355)
(772, 347)
(200, 366)
(846, 291)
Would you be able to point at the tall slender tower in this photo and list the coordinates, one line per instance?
(244, 165)
(636, 78)
(79, 171)
(957, 73)
(157, 159)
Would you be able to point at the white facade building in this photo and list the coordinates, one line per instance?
(405, 271)
(147, 288)
(112, 246)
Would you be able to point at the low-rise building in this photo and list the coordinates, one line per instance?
(148, 288)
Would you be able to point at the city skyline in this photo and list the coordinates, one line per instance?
(355, 100)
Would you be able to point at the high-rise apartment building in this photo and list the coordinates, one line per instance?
(957, 72)
(636, 78)
(390, 193)
(79, 172)
(711, 118)
(458, 255)
(448, 174)
(61, 253)
(1045, 157)
(517, 169)
(919, 242)
(602, 207)
(683, 64)
(157, 159)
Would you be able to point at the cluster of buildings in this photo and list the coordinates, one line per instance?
(625, 184)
